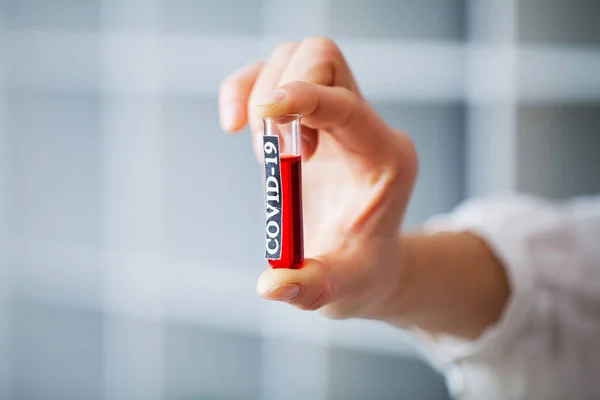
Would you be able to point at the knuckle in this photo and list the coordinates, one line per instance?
(335, 313)
(405, 160)
(316, 303)
(285, 48)
(323, 45)
(407, 148)
(324, 59)
(353, 108)
(309, 307)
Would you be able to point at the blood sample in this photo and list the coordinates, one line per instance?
(292, 241)
(284, 246)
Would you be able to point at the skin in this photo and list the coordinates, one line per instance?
(358, 176)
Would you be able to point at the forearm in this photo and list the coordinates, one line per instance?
(453, 285)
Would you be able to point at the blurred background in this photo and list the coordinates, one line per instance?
(122, 275)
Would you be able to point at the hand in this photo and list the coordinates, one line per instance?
(358, 175)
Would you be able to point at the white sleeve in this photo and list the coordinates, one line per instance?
(546, 345)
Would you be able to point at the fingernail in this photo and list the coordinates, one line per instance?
(283, 293)
(230, 116)
(274, 97)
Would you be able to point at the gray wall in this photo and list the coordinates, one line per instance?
(123, 277)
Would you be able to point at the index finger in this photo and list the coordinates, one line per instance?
(350, 119)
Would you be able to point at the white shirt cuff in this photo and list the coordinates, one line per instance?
(504, 224)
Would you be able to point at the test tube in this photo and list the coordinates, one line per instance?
(284, 246)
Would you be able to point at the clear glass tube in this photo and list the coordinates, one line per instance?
(283, 192)
(287, 129)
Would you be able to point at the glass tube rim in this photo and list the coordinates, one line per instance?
(283, 117)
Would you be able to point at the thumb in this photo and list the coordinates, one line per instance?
(308, 288)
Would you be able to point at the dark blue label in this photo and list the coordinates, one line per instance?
(273, 208)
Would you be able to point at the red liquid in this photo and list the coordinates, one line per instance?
(292, 240)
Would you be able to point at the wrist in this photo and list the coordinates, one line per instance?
(451, 284)
(398, 306)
